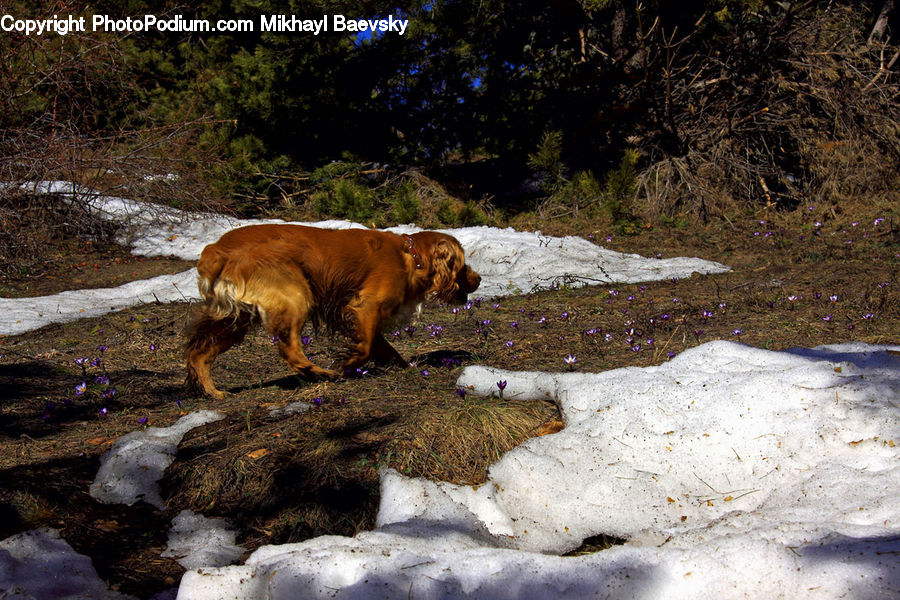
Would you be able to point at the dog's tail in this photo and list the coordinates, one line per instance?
(220, 293)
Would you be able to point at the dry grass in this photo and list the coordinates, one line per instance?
(457, 440)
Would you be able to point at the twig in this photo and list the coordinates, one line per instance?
(882, 69)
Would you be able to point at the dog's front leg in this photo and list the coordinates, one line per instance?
(385, 354)
(369, 341)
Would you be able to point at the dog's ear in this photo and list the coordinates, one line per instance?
(445, 263)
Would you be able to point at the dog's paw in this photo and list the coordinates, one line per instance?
(195, 390)
(320, 374)
(216, 394)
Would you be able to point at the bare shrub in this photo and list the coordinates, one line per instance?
(61, 104)
(803, 111)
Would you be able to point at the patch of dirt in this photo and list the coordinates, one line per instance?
(288, 478)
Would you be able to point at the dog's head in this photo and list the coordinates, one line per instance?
(452, 280)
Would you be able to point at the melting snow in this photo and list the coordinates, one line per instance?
(130, 470)
(39, 565)
(733, 472)
(196, 541)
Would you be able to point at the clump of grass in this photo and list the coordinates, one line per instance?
(34, 511)
(457, 441)
(594, 544)
(308, 520)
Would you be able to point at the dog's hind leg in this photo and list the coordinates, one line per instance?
(287, 327)
(210, 337)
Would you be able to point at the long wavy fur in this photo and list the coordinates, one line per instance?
(353, 282)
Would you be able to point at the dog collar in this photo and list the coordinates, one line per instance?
(411, 249)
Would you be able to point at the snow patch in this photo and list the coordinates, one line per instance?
(733, 472)
(26, 314)
(196, 541)
(294, 408)
(130, 469)
(39, 565)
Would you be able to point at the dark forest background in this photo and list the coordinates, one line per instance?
(632, 112)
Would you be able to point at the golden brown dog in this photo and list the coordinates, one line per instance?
(353, 280)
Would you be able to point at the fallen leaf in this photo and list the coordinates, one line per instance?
(258, 453)
(111, 525)
(548, 428)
